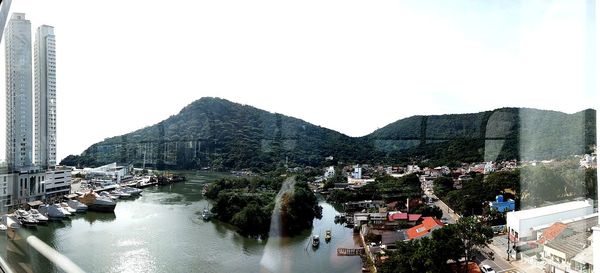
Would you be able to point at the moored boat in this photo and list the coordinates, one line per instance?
(315, 241)
(38, 216)
(52, 212)
(78, 206)
(96, 202)
(328, 235)
(25, 218)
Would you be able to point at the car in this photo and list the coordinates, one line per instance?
(487, 269)
(444, 220)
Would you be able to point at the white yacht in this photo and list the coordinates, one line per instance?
(68, 208)
(52, 212)
(25, 218)
(11, 221)
(38, 216)
(96, 202)
(120, 194)
(131, 191)
(78, 206)
(64, 210)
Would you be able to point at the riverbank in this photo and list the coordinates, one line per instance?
(162, 231)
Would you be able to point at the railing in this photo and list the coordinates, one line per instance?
(19, 238)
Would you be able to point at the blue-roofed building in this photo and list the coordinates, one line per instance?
(501, 205)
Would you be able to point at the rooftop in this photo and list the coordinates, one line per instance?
(548, 210)
(571, 245)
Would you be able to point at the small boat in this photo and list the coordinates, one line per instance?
(38, 216)
(52, 212)
(11, 221)
(78, 206)
(315, 241)
(131, 191)
(3, 227)
(206, 214)
(108, 195)
(64, 211)
(120, 194)
(68, 208)
(328, 235)
(25, 218)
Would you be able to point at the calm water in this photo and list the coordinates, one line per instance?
(162, 231)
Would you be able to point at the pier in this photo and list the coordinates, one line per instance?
(350, 251)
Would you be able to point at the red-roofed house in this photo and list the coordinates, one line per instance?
(396, 218)
(428, 225)
(552, 232)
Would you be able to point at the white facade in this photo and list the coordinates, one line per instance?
(19, 145)
(357, 173)
(30, 186)
(45, 97)
(521, 223)
(6, 187)
(58, 183)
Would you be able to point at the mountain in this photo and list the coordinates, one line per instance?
(216, 133)
(213, 132)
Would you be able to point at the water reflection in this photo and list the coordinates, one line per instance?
(91, 217)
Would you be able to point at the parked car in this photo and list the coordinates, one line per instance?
(486, 269)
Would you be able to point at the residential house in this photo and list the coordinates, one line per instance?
(428, 225)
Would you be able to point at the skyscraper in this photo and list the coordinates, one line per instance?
(19, 150)
(45, 96)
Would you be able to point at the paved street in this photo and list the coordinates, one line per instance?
(448, 213)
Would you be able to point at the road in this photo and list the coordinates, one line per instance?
(497, 261)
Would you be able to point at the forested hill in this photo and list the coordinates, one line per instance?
(220, 134)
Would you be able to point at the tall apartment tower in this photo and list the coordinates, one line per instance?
(45, 96)
(19, 148)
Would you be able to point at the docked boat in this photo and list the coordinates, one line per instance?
(327, 236)
(120, 194)
(38, 216)
(3, 227)
(11, 221)
(132, 191)
(64, 211)
(71, 210)
(53, 212)
(25, 218)
(108, 195)
(77, 206)
(315, 241)
(96, 202)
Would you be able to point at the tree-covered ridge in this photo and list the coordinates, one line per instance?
(220, 134)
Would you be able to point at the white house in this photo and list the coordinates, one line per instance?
(521, 223)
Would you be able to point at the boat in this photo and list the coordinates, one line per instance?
(66, 212)
(120, 194)
(11, 221)
(315, 241)
(25, 218)
(108, 195)
(206, 214)
(131, 191)
(71, 210)
(3, 227)
(96, 202)
(52, 212)
(328, 235)
(38, 216)
(78, 206)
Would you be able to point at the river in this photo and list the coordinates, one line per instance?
(162, 231)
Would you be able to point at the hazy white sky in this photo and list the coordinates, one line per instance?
(352, 66)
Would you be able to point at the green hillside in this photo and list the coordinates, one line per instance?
(220, 134)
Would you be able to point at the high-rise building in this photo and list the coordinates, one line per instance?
(45, 96)
(19, 150)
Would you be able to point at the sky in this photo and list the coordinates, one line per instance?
(348, 65)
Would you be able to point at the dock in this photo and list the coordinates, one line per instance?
(350, 251)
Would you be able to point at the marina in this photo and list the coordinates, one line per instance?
(163, 231)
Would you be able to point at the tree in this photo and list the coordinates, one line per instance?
(473, 234)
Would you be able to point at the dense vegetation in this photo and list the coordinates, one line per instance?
(385, 187)
(219, 134)
(431, 254)
(249, 204)
(529, 186)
